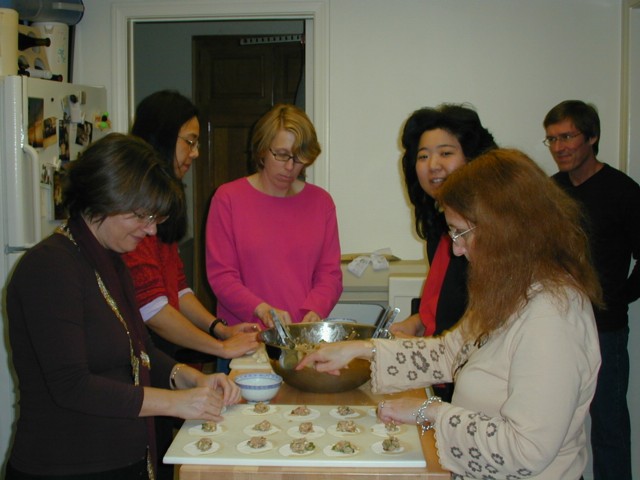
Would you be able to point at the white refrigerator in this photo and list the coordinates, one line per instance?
(43, 125)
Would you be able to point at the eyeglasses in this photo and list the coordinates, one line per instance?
(193, 144)
(147, 220)
(564, 138)
(285, 157)
(455, 236)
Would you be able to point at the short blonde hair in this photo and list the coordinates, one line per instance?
(291, 119)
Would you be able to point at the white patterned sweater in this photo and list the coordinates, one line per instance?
(521, 399)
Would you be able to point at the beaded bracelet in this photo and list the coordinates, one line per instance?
(172, 380)
(421, 419)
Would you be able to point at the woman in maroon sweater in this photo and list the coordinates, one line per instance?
(90, 379)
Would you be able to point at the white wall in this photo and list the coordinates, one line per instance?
(512, 59)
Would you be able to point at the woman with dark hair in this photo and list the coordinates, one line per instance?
(438, 141)
(272, 239)
(529, 330)
(90, 378)
(177, 319)
(169, 122)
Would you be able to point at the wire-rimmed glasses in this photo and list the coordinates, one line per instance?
(147, 220)
(455, 235)
(564, 138)
(193, 144)
(285, 157)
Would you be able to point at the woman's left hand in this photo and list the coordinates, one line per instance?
(221, 382)
(399, 410)
(228, 331)
(245, 327)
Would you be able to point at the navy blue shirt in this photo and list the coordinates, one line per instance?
(611, 202)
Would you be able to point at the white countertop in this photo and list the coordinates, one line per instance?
(230, 449)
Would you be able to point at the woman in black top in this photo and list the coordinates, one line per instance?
(90, 378)
(437, 141)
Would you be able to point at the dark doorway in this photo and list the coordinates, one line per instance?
(235, 80)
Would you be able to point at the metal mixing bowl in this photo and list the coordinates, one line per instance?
(283, 359)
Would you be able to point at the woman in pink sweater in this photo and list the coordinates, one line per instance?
(271, 238)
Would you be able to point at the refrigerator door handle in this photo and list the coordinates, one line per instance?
(9, 249)
(32, 156)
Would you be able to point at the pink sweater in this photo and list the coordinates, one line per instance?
(283, 251)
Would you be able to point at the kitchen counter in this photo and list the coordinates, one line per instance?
(291, 396)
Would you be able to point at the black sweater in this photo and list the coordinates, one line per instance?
(452, 301)
(611, 201)
(78, 405)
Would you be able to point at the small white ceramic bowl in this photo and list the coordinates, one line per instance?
(258, 387)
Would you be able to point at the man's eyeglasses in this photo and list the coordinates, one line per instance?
(285, 157)
(564, 138)
(455, 235)
(147, 220)
(193, 144)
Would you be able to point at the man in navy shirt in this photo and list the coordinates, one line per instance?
(611, 202)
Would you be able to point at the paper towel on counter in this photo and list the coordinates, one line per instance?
(377, 260)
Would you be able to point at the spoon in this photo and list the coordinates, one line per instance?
(385, 322)
(289, 356)
(283, 331)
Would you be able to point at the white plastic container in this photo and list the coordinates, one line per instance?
(8, 41)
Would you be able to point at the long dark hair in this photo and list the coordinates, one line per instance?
(118, 174)
(460, 121)
(158, 120)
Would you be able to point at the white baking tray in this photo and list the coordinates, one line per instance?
(235, 430)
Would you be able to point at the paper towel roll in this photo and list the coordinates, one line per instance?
(8, 41)
(58, 52)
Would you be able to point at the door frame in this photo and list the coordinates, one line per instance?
(316, 16)
(627, 79)
(629, 148)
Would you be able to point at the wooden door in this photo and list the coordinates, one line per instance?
(236, 80)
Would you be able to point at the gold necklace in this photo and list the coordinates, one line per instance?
(135, 361)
